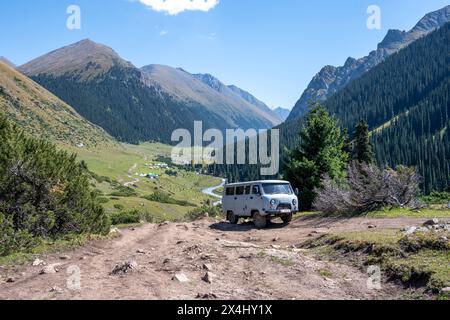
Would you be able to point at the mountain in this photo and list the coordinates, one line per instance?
(238, 107)
(136, 105)
(331, 80)
(282, 113)
(6, 61)
(43, 115)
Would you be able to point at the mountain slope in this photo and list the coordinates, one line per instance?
(130, 104)
(406, 101)
(238, 107)
(41, 114)
(282, 113)
(331, 80)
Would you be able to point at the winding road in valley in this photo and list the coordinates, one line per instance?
(210, 192)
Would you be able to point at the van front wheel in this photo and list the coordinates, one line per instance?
(232, 218)
(287, 218)
(259, 220)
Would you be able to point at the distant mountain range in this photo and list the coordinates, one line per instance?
(145, 104)
(6, 61)
(282, 113)
(331, 80)
(41, 114)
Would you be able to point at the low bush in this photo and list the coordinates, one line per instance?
(198, 213)
(124, 192)
(162, 197)
(119, 206)
(127, 217)
(437, 198)
(369, 188)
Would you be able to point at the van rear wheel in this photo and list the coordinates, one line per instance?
(232, 218)
(259, 220)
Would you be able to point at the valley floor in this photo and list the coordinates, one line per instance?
(244, 263)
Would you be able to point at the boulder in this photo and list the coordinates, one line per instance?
(207, 266)
(124, 267)
(208, 277)
(38, 262)
(181, 277)
(51, 269)
(431, 222)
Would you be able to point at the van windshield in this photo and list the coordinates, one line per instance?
(277, 188)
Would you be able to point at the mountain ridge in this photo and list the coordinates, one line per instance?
(332, 79)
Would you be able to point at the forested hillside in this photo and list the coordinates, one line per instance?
(43, 115)
(405, 101)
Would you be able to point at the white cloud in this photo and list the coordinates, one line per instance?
(162, 33)
(174, 7)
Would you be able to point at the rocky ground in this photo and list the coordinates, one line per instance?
(202, 260)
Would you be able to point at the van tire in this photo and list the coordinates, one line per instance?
(259, 221)
(232, 218)
(287, 218)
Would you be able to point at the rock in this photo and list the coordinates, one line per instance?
(409, 230)
(431, 222)
(181, 277)
(64, 257)
(274, 246)
(206, 296)
(371, 226)
(51, 269)
(140, 251)
(56, 290)
(38, 262)
(115, 232)
(207, 266)
(445, 290)
(10, 280)
(124, 267)
(208, 277)
(275, 239)
(166, 261)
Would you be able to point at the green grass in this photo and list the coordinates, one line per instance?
(120, 165)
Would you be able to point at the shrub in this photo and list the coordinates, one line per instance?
(437, 198)
(44, 192)
(119, 206)
(199, 213)
(124, 192)
(102, 200)
(369, 188)
(126, 217)
(162, 197)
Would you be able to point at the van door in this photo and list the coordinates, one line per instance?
(228, 200)
(247, 198)
(239, 200)
(253, 201)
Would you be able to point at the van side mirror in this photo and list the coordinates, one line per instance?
(296, 192)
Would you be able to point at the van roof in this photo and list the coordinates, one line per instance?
(255, 182)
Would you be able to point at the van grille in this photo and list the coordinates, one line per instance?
(283, 206)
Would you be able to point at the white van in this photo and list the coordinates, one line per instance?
(259, 200)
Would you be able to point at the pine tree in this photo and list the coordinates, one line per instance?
(362, 147)
(320, 153)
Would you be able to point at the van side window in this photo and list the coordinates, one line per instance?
(255, 190)
(248, 189)
(240, 191)
(230, 192)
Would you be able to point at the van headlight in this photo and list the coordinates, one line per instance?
(273, 202)
(294, 202)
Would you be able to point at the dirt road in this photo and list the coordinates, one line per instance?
(244, 263)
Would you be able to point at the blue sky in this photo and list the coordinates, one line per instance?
(272, 48)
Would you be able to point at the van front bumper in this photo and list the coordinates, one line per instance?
(279, 212)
